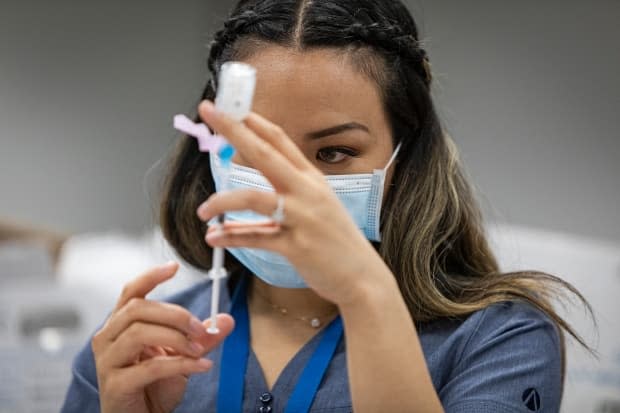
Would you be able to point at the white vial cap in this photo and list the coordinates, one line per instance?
(235, 89)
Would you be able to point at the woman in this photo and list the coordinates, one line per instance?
(415, 317)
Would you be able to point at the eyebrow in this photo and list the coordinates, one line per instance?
(335, 130)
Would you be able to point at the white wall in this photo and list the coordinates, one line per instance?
(87, 95)
(528, 89)
(593, 267)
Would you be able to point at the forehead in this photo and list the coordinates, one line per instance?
(309, 89)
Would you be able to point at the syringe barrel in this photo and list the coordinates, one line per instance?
(218, 259)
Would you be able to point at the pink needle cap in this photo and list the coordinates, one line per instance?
(207, 141)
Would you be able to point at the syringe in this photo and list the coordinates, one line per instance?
(235, 91)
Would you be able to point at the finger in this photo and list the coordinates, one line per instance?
(235, 224)
(169, 351)
(141, 286)
(225, 325)
(151, 351)
(247, 229)
(133, 340)
(136, 377)
(275, 167)
(153, 312)
(260, 238)
(264, 203)
(277, 138)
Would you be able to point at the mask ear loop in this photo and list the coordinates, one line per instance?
(376, 196)
(394, 155)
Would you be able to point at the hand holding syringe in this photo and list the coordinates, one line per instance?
(235, 92)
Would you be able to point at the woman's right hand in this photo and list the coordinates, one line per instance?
(146, 350)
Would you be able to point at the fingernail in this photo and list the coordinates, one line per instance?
(196, 328)
(202, 209)
(196, 348)
(208, 107)
(204, 363)
(168, 265)
(214, 235)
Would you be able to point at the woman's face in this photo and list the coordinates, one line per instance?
(331, 111)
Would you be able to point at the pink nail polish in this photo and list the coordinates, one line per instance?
(168, 265)
(202, 209)
(208, 107)
(204, 363)
(196, 328)
(196, 348)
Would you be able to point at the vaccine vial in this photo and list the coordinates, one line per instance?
(235, 89)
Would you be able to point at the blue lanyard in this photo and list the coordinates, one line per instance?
(235, 358)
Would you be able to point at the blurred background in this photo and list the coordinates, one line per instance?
(529, 90)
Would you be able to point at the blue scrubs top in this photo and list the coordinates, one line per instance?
(503, 359)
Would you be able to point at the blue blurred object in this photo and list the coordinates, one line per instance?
(226, 154)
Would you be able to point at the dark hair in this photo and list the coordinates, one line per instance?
(433, 239)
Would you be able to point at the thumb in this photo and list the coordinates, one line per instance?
(225, 325)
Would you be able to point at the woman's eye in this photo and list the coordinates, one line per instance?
(334, 155)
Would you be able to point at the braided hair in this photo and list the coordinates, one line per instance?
(324, 23)
(432, 233)
(382, 39)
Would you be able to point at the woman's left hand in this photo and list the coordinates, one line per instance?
(317, 235)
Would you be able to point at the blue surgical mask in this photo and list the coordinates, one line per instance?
(361, 194)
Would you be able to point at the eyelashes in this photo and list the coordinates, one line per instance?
(335, 154)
